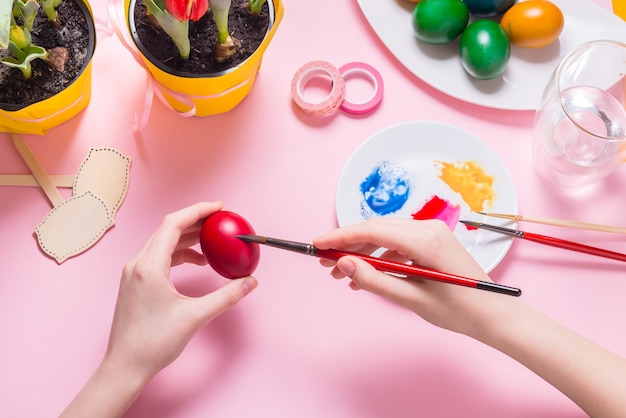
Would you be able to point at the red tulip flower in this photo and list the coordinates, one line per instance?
(187, 9)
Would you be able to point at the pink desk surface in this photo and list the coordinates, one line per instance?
(302, 345)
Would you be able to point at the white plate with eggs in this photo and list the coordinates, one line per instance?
(521, 85)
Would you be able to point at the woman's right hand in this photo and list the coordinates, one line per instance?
(428, 244)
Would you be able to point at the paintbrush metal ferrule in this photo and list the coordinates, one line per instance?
(507, 231)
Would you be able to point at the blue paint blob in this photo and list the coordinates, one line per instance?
(386, 189)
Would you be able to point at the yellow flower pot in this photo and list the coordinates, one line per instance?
(39, 117)
(210, 93)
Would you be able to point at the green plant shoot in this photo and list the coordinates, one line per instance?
(176, 29)
(256, 5)
(50, 7)
(226, 45)
(220, 9)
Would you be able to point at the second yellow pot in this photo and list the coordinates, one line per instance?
(211, 93)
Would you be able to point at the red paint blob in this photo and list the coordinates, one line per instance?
(431, 209)
(438, 208)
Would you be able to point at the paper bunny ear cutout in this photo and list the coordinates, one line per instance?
(76, 224)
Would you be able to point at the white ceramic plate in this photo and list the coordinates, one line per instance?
(416, 147)
(528, 70)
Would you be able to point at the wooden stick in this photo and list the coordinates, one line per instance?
(66, 181)
(54, 195)
(559, 222)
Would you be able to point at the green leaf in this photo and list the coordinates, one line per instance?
(28, 11)
(6, 7)
(25, 56)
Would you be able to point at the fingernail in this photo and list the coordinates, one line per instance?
(347, 267)
(248, 285)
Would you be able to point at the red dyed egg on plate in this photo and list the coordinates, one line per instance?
(228, 255)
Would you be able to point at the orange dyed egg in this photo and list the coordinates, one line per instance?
(533, 23)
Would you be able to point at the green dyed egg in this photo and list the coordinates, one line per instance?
(439, 21)
(485, 49)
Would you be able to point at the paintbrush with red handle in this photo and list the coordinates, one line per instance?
(381, 264)
(551, 241)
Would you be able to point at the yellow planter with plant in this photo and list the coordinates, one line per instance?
(210, 93)
(42, 115)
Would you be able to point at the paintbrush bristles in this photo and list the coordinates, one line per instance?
(258, 239)
(559, 222)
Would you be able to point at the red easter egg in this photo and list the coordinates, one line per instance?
(228, 255)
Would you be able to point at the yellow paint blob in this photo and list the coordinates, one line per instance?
(470, 181)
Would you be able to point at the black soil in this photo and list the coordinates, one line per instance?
(248, 28)
(71, 32)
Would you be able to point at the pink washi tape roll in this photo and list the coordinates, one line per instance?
(306, 73)
(361, 68)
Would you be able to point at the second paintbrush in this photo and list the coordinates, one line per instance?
(551, 241)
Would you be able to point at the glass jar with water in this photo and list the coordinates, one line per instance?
(580, 126)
